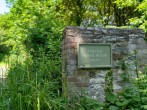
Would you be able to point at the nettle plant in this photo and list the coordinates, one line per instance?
(134, 94)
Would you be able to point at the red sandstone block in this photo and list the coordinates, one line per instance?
(70, 40)
(81, 84)
(72, 32)
(79, 39)
(71, 45)
(72, 79)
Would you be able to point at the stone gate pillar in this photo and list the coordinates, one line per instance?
(92, 79)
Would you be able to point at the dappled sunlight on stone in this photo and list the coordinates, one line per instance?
(92, 78)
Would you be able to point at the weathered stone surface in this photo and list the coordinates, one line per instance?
(72, 79)
(121, 48)
(96, 91)
(70, 45)
(118, 56)
(70, 40)
(72, 62)
(70, 50)
(132, 47)
(81, 84)
(92, 80)
(70, 68)
(97, 81)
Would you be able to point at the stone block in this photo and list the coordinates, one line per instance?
(144, 61)
(94, 40)
(101, 41)
(100, 36)
(88, 40)
(96, 91)
(87, 32)
(117, 88)
(87, 35)
(121, 48)
(96, 30)
(113, 31)
(104, 31)
(119, 38)
(141, 46)
(133, 35)
(71, 67)
(97, 80)
(69, 72)
(118, 56)
(141, 41)
(89, 28)
(70, 51)
(96, 33)
(132, 47)
(71, 45)
(79, 39)
(82, 84)
(101, 73)
(124, 42)
(72, 32)
(82, 73)
(113, 39)
(144, 51)
(70, 40)
(140, 35)
(72, 62)
(72, 79)
(142, 56)
(139, 51)
(71, 56)
(133, 41)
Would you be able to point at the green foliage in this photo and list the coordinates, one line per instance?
(139, 6)
(133, 96)
(33, 81)
(109, 82)
(33, 29)
(32, 86)
(83, 102)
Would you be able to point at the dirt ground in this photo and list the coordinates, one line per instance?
(3, 69)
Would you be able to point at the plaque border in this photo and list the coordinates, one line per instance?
(98, 66)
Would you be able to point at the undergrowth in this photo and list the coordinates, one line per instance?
(31, 86)
(35, 84)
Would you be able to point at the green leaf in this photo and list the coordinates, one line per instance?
(144, 106)
(111, 97)
(119, 104)
(113, 108)
(125, 102)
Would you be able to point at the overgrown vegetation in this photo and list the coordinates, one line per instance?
(133, 95)
(33, 31)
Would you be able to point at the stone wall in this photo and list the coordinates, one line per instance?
(124, 42)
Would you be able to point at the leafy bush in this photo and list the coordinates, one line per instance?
(31, 86)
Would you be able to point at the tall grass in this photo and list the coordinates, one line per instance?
(32, 85)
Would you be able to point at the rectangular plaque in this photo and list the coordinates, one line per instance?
(94, 55)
